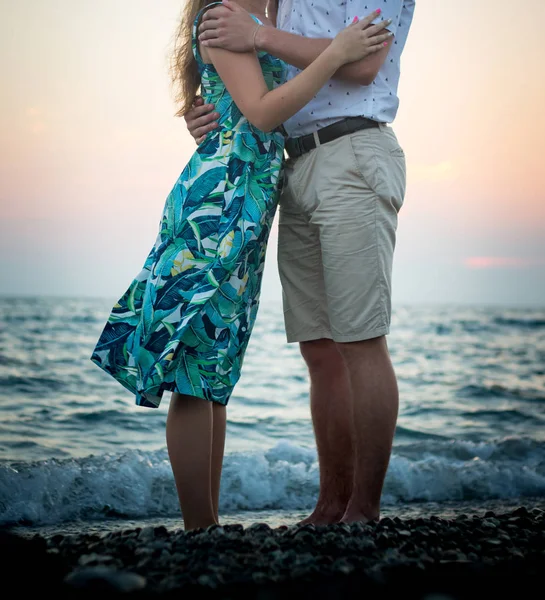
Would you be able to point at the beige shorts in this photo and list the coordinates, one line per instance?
(337, 228)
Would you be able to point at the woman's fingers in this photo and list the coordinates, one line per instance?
(378, 28)
(375, 48)
(365, 22)
(381, 39)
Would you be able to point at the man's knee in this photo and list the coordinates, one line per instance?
(354, 350)
(321, 354)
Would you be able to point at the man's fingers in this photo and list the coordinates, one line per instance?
(209, 35)
(212, 43)
(199, 111)
(202, 131)
(207, 25)
(232, 5)
(215, 13)
(202, 122)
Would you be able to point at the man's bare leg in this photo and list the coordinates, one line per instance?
(376, 400)
(219, 420)
(331, 409)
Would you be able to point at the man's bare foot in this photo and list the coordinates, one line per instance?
(322, 517)
(353, 516)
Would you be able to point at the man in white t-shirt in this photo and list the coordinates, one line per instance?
(345, 184)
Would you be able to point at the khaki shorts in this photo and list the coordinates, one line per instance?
(337, 228)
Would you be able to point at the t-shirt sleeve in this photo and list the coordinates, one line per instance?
(389, 9)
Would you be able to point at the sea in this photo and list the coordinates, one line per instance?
(76, 453)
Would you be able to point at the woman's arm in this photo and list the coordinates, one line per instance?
(300, 52)
(241, 73)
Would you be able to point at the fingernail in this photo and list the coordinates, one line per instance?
(378, 11)
(385, 44)
(355, 20)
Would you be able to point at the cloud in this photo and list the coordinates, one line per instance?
(490, 262)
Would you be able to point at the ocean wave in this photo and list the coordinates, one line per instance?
(138, 484)
(530, 323)
(500, 391)
(512, 415)
(30, 384)
(8, 361)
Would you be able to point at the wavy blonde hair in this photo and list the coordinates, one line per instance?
(184, 73)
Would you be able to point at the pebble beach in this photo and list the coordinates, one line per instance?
(469, 556)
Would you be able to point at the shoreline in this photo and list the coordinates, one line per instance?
(449, 509)
(408, 557)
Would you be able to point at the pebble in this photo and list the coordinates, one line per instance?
(159, 560)
(105, 579)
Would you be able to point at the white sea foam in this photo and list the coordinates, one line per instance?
(139, 484)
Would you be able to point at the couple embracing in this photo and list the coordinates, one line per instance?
(316, 81)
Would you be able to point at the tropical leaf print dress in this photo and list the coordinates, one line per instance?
(185, 321)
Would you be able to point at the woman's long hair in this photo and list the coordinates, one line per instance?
(183, 67)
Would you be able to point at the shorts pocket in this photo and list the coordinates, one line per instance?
(380, 161)
(366, 152)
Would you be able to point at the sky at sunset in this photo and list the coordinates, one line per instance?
(90, 147)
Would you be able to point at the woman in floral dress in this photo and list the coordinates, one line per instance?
(184, 323)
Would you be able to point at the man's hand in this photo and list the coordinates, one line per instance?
(229, 27)
(201, 119)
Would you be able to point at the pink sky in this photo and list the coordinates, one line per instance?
(90, 148)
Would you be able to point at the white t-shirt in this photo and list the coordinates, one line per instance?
(340, 99)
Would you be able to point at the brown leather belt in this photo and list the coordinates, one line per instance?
(295, 147)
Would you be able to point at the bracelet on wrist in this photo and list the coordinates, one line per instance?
(255, 36)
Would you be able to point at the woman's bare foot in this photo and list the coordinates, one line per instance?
(199, 525)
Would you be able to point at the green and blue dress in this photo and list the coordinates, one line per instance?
(185, 321)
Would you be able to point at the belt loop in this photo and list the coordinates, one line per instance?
(316, 138)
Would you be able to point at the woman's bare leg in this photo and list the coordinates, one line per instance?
(189, 443)
(219, 420)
